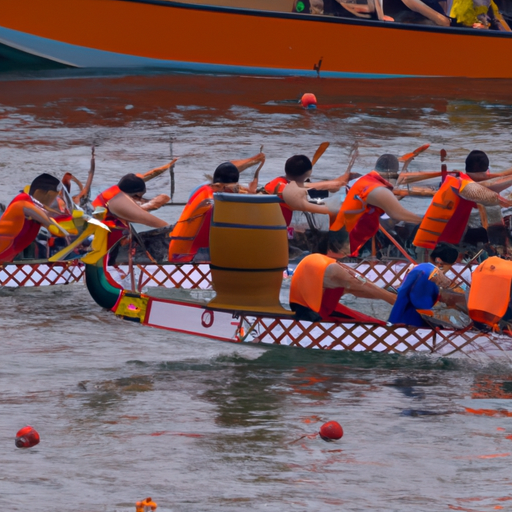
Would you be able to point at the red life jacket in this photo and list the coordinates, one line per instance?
(17, 232)
(114, 223)
(359, 218)
(276, 187)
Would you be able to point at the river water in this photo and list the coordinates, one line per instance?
(125, 412)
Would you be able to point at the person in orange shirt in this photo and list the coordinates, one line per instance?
(319, 282)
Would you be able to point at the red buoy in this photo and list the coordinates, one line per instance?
(308, 100)
(331, 431)
(27, 437)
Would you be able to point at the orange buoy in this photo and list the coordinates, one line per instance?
(146, 505)
(331, 431)
(27, 437)
(308, 100)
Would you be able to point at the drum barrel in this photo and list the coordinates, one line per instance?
(248, 252)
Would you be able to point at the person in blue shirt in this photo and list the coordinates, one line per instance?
(418, 294)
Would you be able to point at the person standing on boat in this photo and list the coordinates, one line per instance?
(447, 216)
(319, 281)
(370, 197)
(27, 212)
(191, 234)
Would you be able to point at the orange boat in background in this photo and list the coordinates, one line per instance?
(221, 39)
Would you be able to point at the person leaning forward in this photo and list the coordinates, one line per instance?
(191, 234)
(447, 216)
(319, 282)
(21, 221)
(292, 188)
(370, 197)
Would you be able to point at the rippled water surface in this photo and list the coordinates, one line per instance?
(127, 412)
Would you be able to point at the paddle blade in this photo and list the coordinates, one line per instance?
(414, 154)
(319, 152)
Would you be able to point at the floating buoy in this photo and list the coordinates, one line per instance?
(308, 100)
(331, 431)
(146, 505)
(27, 437)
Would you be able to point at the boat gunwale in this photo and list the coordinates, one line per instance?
(326, 19)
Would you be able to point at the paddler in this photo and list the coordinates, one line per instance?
(120, 202)
(447, 216)
(486, 223)
(370, 197)
(297, 172)
(418, 294)
(319, 281)
(191, 234)
(27, 212)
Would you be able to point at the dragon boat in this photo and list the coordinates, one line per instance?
(244, 305)
(40, 273)
(172, 34)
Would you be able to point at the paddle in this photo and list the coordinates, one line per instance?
(253, 186)
(413, 177)
(319, 152)
(413, 154)
(153, 173)
(397, 245)
(83, 197)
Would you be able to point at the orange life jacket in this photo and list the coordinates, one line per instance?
(276, 187)
(489, 296)
(359, 218)
(447, 216)
(192, 231)
(16, 231)
(307, 290)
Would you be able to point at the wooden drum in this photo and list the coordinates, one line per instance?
(248, 253)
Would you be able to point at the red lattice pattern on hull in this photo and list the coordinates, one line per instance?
(40, 274)
(166, 276)
(389, 273)
(366, 337)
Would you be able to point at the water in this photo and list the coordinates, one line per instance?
(125, 412)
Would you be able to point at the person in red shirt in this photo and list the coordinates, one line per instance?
(27, 212)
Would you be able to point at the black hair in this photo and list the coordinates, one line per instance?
(331, 241)
(226, 173)
(132, 184)
(297, 165)
(45, 182)
(477, 161)
(447, 253)
(388, 165)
